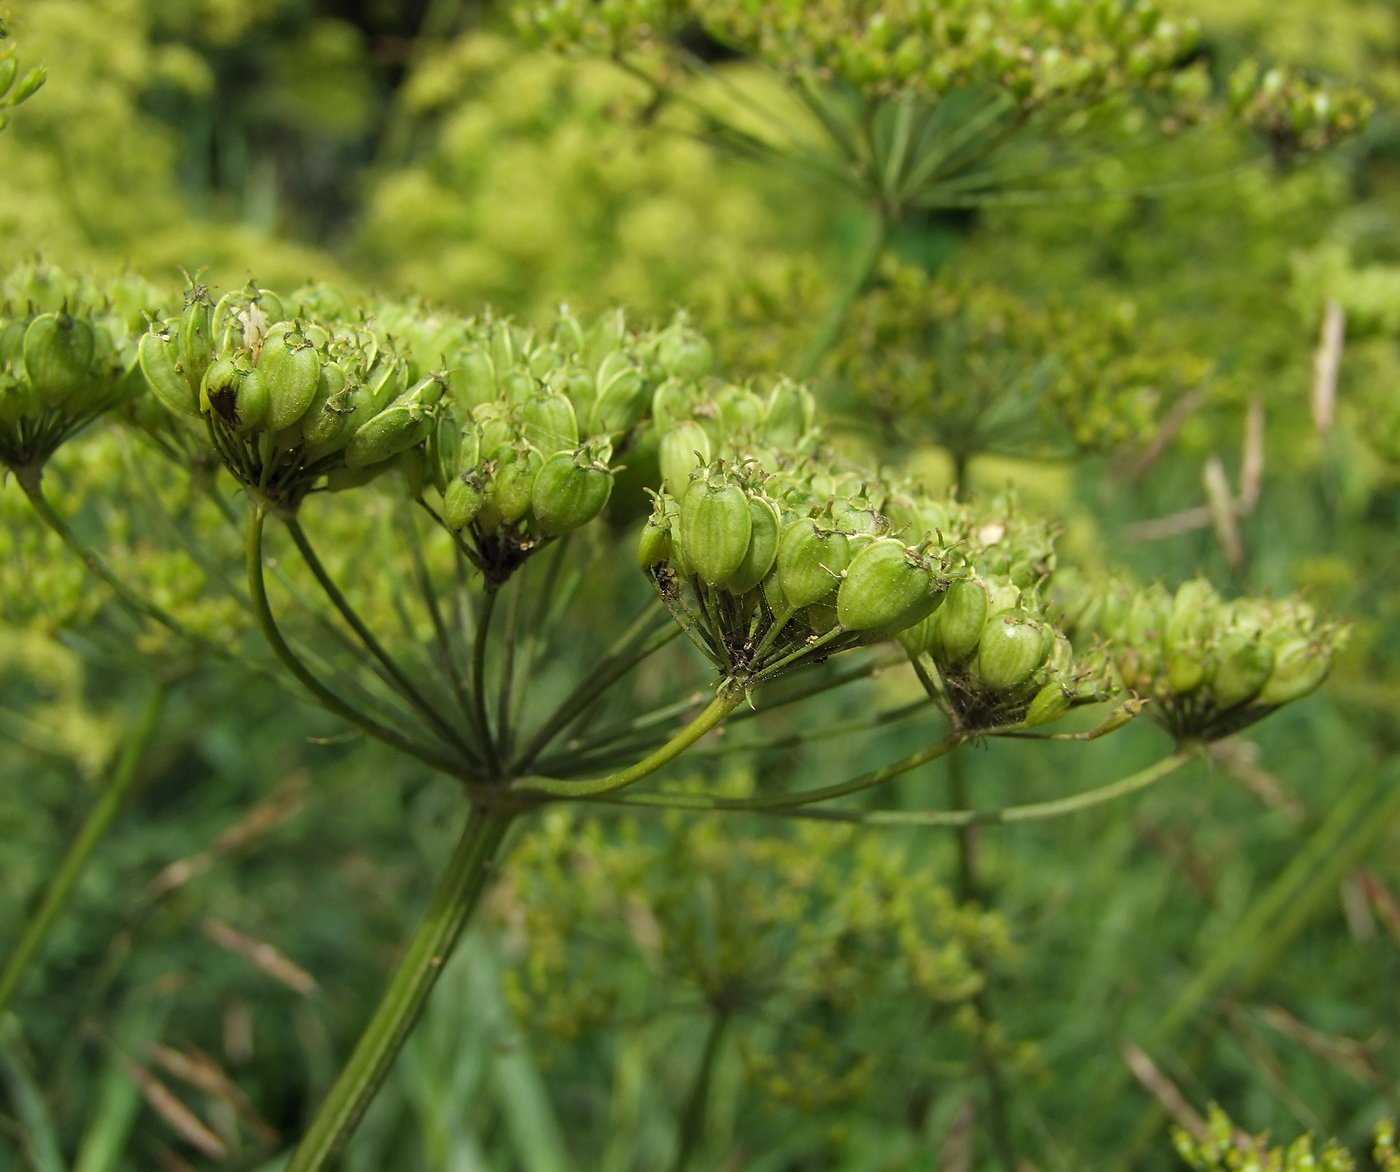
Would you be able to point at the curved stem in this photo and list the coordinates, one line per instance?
(1033, 812)
(457, 896)
(692, 1128)
(257, 591)
(611, 667)
(94, 828)
(30, 482)
(367, 637)
(720, 707)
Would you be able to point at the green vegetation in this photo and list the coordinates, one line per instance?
(705, 585)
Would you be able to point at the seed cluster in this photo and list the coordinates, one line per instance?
(66, 356)
(1211, 667)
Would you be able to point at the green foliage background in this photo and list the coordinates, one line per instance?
(421, 148)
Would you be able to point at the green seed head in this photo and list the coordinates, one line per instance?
(196, 335)
(461, 502)
(1011, 647)
(159, 355)
(569, 491)
(1299, 668)
(887, 586)
(682, 353)
(235, 394)
(1050, 703)
(654, 547)
(58, 354)
(473, 380)
(957, 625)
(789, 415)
(513, 483)
(548, 422)
(1244, 665)
(291, 368)
(715, 528)
(763, 547)
(810, 561)
(622, 397)
(683, 449)
(393, 430)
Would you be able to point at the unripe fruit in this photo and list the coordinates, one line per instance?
(291, 368)
(1299, 668)
(654, 547)
(567, 494)
(683, 449)
(16, 399)
(957, 625)
(159, 354)
(790, 413)
(1186, 671)
(461, 502)
(1244, 667)
(883, 586)
(196, 339)
(763, 547)
(328, 417)
(548, 422)
(517, 387)
(12, 343)
(473, 381)
(621, 397)
(1011, 647)
(810, 561)
(684, 354)
(917, 639)
(1050, 703)
(234, 393)
(58, 354)
(740, 411)
(512, 484)
(393, 430)
(715, 528)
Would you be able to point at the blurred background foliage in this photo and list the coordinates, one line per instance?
(1185, 348)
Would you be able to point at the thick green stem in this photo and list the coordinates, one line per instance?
(692, 1127)
(719, 708)
(257, 591)
(458, 894)
(94, 829)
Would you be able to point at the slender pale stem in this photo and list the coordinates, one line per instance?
(30, 481)
(692, 1125)
(720, 707)
(457, 896)
(367, 637)
(94, 829)
(779, 802)
(482, 717)
(257, 590)
(1034, 812)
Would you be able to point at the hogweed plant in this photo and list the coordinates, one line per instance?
(14, 87)
(469, 473)
(910, 108)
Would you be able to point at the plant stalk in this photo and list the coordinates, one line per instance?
(458, 895)
(692, 1124)
(719, 708)
(94, 829)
